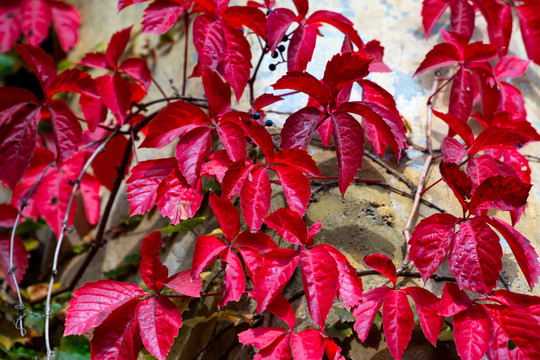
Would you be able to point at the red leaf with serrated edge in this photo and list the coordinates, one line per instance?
(207, 249)
(462, 19)
(481, 168)
(10, 24)
(295, 187)
(108, 160)
(457, 180)
(383, 265)
(461, 100)
(500, 192)
(261, 337)
(35, 21)
(301, 47)
(441, 55)
(20, 259)
(17, 141)
(340, 22)
(13, 99)
(320, 279)
(528, 303)
(349, 140)
(307, 344)
(118, 337)
(529, 18)
(161, 15)
(252, 259)
(255, 198)
(398, 321)
(176, 119)
(510, 67)
(226, 215)
(430, 242)
(525, 254)
(471, 332)
(176, 199)
(153, 272)
(344, 69)
(233, 138)
(66, 20)
(217, 92)
(235, 177)
(277, 268)
(95, 112)
(73, 80)
(281, 308)
(298, 159)
(278, 22)
(261, 137)
(191, 150)
(253, 18)
(116, 46)
(66, 129)
(159, 321)
(8, 214)
(235, 280)
(499, 20)
(217, 165)
(431, 12)
(367, 309)
(289, 225)
(458, 125)
(255, 241)
(304, 82)
(90, 193)
(184, 284)
(475, 257)
(41, 64)
(96, 60)
(453, 300)
(498, 138)
(299, 128)
(350, 285)
(115, 94)
(453, 151)
(427, 307)
(332, 350)
(138, 70)
(144, 181)
(93, 302)
(266, 100)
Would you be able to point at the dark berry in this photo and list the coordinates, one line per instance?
(264, 227)
(275, 54)
(241, 30)
(268, 123)
(281, 48)
(285, 38)
(269, 11)
(272, 67)
(256, 116)
(250, 111)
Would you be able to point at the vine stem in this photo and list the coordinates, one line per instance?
(61, 237)
(186, 50)
(251, 81)
(12, 268)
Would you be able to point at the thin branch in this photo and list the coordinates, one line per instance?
(159, 88)
(251, 81)
(392, 172)
(186, 49)
(12, 268)
(61, 237)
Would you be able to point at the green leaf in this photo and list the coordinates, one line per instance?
(344, 314)
(75, 347)
(186, 225)
(340, 330)
(131, 262)
(7, 64)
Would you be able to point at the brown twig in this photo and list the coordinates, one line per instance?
(391, 171)
(251, 81)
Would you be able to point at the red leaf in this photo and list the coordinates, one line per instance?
(319, 276)
(299, 127)
(161, 15)
(498, 138)
(255, 198)
(115, 94)
(398, 321)
(207, 249)
(94, 111)
(366, 311)
(510, 67)
(383, 265)
(281, 308)
(96, 60)
(461, 100)
(430, 242)
(340, 22)
(453, 300)
(176, 199)
(253, 18)
(481, 168)
(90, 193)
(298, 159)
(109, 160)
(235, 177)
(93, 302)
(458, 125)
(278, 22)
(276, 270)
(527, 303)
(159, 321)
(227, 216)
(153, 272)
(8, 214)
(261, 137)
(36, 21)
(41, 64)
(350, 285)
(471, 333)
(431, 12)
(217, 165)
(118, 337)
(500, 192)
(217, 92)
(457, 180)
(266, 100)
(475, 257)
(66, 21)
(256, 241)
(524, 252)
(10, 24)
(349, 140)
(20, 258)
(176, 119)
(307, 344)
(462, 19)
(289, 225)
(138, 70)
(453, 151)
(499, 20)
(441, 55)
(17, 141)
(191, 150)
(427, 307)
(304, 82)
(529, 18)
(183, 283)
(235, 280)
(66, 129)
(344, 69)
(233, 139)
(295, 187)
(13, 99)
(301, 47)
(261, 337)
